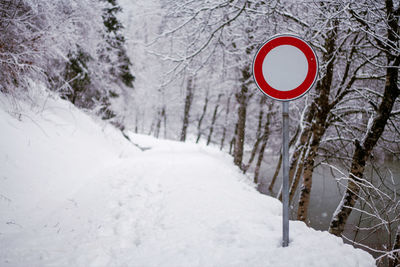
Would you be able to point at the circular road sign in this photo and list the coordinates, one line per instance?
(285, 67)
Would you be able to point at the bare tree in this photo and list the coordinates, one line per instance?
(227, 108)
(258, 137)
(389, 44)
(188, 104)
(264, 139)
(213, 119)
(199, 129)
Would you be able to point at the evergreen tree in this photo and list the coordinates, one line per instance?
(94, 80)
(116, 41)
(78, 78)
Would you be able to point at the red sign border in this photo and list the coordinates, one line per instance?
(311, 77)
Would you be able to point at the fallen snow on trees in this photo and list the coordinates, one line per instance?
(74, 192)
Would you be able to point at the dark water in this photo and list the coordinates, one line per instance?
(326, 195)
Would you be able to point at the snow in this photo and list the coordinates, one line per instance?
(75, 192)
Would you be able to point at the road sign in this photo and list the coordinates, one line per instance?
(285, 67)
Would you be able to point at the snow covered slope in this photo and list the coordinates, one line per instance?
(74, 193)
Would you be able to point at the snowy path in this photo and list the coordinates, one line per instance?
(173, 205)
(80, 195)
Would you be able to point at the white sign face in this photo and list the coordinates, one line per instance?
(285, 67)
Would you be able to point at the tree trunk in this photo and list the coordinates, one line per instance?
(164, 113)
(242, 98)
(233, 141)
(318, 131)
(201, 118)
(310, 152)
(213, 120)
(296, 178)
(151, 127)
(277, 169)
(223, 138)
(226, 121)
(188, 103)
(265, 138)
(259, 160)
(305, 190)
(241, 125)
(158, 123)
(351, 195)
(136, 122)
(278, 166)
(258, 134)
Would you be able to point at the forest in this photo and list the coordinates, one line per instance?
(182, 70)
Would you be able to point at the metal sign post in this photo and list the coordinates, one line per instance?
(285, 68)
(285, 184)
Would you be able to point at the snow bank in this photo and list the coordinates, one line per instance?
(48, 151)
(73, 193)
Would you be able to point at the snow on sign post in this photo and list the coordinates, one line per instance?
(285, 68)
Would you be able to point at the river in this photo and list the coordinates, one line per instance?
(326, 195)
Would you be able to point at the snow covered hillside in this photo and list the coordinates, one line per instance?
(74, 192)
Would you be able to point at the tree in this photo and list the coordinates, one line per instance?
(264, 139)
(389, 44)
(78, 80)
(188, 104)
(120, 67)
(213, 119)
(242, 97)
(94, 79)
(37, 36)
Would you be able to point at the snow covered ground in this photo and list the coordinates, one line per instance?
(74, 192)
